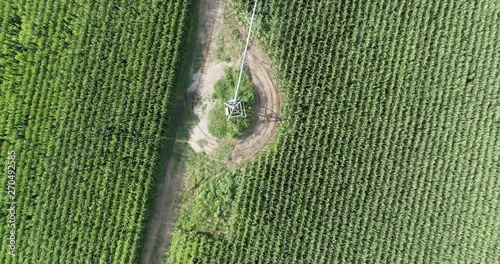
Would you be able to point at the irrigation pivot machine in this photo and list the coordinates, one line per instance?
(235, 107)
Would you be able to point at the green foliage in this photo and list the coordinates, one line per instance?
(208, 212)
(224, 90)
(220, 53)
(388, 148)
(202, 221)
(197, 247)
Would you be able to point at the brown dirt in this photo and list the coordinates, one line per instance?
(204, 80)
(209, 76)
(160, 227)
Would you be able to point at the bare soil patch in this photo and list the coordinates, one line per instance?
(204, 90)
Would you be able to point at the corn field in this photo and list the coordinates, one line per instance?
(388, 151)
(85, 95)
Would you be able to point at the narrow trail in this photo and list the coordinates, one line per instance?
(159, 230)
(267, 109)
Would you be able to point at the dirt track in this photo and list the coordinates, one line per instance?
(267, 108)
(159, 230)
(259, 135)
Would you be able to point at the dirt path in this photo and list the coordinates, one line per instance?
(160, 228)
(211, 71)
(259, 135)
(204, 90)
(267, 108)
(161, 225)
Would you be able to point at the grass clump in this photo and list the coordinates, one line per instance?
(224, 90)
